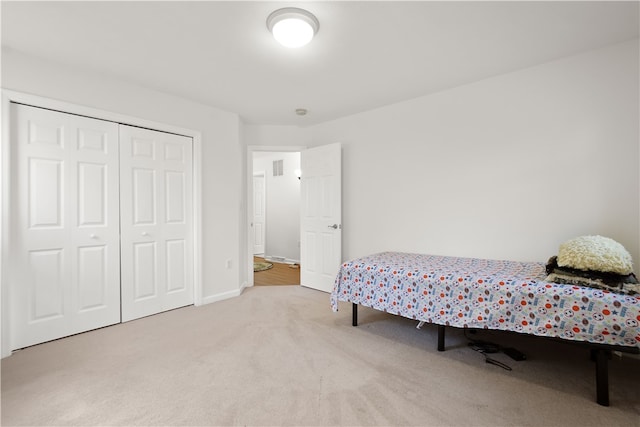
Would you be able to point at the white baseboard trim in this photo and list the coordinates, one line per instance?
(282, 260)
(222, 296)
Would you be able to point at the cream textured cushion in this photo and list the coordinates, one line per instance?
(595, 253)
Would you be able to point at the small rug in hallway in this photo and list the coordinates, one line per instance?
(261, 266)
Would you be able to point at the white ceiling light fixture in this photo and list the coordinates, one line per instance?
(293, 27)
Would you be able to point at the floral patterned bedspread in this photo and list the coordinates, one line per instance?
(491, 294)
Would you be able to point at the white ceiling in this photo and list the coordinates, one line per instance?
(366, 54)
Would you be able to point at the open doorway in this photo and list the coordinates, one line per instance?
(274, 229)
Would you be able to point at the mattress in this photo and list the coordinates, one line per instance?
(487, 294)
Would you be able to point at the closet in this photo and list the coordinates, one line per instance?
(101, 227)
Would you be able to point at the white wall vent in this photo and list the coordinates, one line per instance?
(277, 168)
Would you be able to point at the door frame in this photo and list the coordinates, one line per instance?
(262, 174)
(9, 96)
(249, 177)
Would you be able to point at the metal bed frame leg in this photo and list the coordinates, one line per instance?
(354, 314)
(440, 337)
(602, 375)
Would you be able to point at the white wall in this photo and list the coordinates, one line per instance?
(507, 168)
(222, 152)
(282, 204)
(276, 136)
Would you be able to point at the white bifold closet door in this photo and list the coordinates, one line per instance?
(101, 227)
(65, 248)
(156, 221)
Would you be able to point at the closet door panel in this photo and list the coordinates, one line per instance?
(143, 193)
(175, 197)
(46, 296)
(45, 192)
(144, 264)
(94, 215)
(92, 194)
(176, 265)
(64, 270)
(156, 212)
(93, 279)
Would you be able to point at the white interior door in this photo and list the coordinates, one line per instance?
(259, 197)
(64, 270)
(321, 216)
(156, 221)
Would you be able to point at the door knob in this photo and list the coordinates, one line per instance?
(334, 226)
(93, 236)
(145, 234)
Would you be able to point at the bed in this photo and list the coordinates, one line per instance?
(492, 294)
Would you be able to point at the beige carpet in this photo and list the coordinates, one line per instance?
(279, 356)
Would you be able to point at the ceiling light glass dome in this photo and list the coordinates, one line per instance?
(292, 27)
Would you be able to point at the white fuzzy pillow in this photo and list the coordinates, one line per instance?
(595, 253)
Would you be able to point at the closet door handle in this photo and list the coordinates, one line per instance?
(145, 234)
(93, 236)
